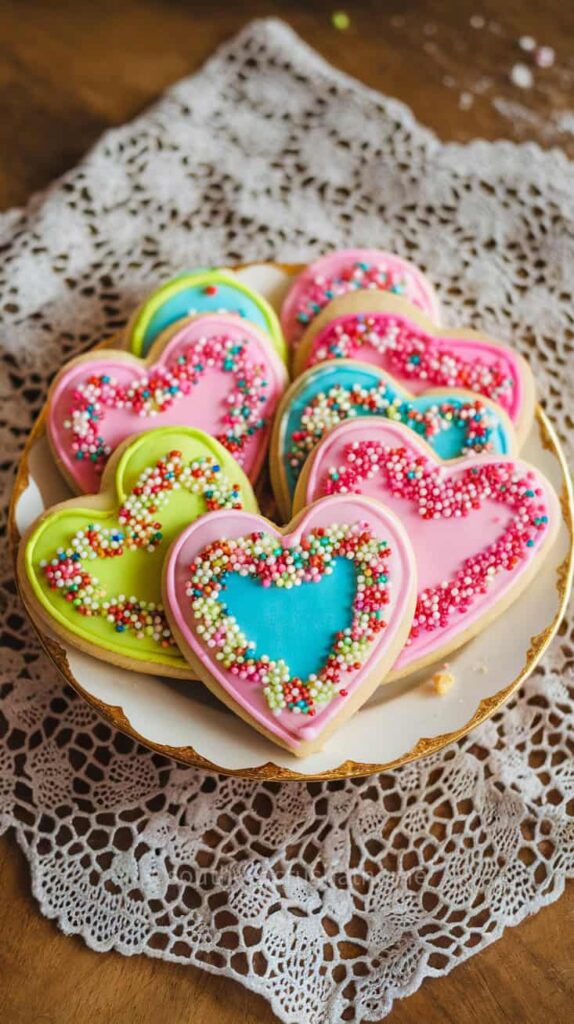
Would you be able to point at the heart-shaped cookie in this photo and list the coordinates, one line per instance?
(90, 568)
(389, 333)
(344, 272)
(480, 527)
(239, 593)
(215, 372)
(195, 293)
(454, 422)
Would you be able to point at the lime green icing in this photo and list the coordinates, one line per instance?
(136, 572)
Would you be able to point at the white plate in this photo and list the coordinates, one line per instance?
(401, 722)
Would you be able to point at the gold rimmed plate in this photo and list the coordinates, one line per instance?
(400, 723)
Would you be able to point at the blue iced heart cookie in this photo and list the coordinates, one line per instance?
(196, 292)
(454, 422)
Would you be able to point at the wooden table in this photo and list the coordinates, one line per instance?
(67, 72)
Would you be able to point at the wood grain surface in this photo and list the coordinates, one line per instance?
(67, 72)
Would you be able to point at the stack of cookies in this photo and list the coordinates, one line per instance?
(393, 456)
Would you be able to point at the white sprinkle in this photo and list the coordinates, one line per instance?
(522, 76)
(527, 43)
(544, 56)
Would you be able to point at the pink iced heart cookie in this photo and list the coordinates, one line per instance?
(236, 590)
(480, 526)
(344, 272)
(213, 372)
(389, 333)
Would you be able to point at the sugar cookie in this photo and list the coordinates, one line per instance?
(386, 331)
(454, 422)
(480, 527)
(345, 271)
(237, 591)
(195, 293)
(213, 372)
(90, 568)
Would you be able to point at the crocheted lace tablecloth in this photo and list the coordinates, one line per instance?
(328, 899)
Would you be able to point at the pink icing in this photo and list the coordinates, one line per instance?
(222, 402)
(332, 275)
(290, 728)
(464, 528)
(420, 360)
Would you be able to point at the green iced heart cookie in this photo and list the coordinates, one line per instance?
(92, 566)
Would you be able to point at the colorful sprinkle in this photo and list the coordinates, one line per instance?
(340, 20)
(410, 353)
(329, 408)
(360, 275)
(414, 478)
(274, 564)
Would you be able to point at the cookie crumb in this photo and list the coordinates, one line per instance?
(443, 680)
(480, 667)
(477, 21)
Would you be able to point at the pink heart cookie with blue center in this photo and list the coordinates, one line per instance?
(236, 590)
(387, 332)
(216, 373)
(344, 272)
(480, 526)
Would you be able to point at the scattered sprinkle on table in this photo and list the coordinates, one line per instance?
(340, 20)
(527, 43)
(521, 75)
(544, 56)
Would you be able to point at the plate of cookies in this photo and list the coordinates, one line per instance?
(288, 525)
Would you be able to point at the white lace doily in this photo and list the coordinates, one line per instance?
(328, 899)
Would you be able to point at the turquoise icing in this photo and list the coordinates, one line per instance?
(285, 624)
(194, 299)
(448, 444)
